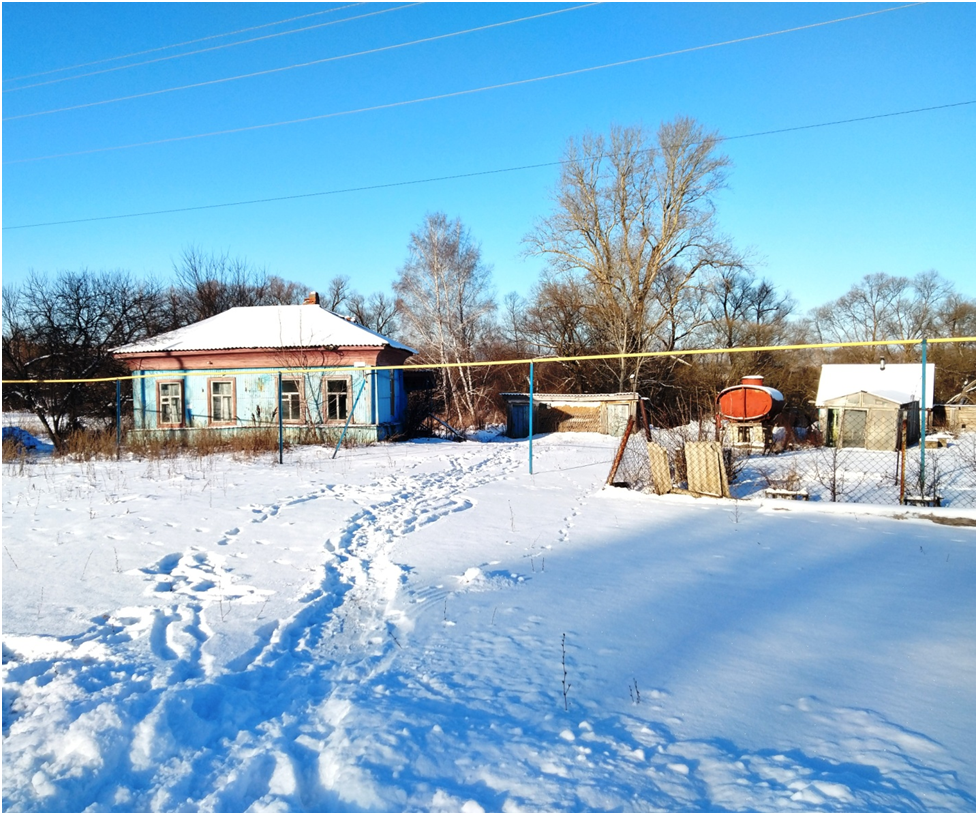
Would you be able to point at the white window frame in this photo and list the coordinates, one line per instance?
(168, 400)
(228, 400)
(293, 399)
(329, 396)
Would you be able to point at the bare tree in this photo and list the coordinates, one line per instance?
(558, 321)
(209, 284)
(627, 208)
(64, 328)
(865, 313)
(446, 303)
(338, 293)
(377, 312)
(743, 310)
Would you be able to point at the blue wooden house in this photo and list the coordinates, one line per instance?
(247, 367)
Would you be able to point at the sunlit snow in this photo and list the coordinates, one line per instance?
(426, 626)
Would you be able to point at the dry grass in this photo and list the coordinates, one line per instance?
(90, 445)
(14, 454)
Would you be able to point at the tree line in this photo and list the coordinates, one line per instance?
(635, 262)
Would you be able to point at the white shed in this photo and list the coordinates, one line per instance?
(866, 405)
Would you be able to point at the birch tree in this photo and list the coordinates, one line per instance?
(445, 299)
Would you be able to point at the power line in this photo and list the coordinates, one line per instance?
(454, 94)
(160, 48)
(303, 64)
(457, 176)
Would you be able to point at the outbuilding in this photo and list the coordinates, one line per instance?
(869, 405)
(566, 412)
(250, 366)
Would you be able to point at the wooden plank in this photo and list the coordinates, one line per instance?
(659, 464)
(705, 473)
(621, 450)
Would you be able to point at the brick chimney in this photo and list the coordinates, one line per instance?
(312, 299)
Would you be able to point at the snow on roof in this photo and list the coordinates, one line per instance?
(307, 326)
(898, 383)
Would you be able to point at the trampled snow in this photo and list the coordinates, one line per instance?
(426, 626)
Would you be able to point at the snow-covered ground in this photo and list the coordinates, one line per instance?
(426, 626)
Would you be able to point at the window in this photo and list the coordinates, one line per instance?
(336, 398)
(291, 400)
(222, 401)
(170, 400)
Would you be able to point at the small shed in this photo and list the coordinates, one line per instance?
(959, 418)
(243, 368)
(867, 405)
(606, 413)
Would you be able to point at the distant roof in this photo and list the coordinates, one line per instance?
(898, 383)
(307, 326)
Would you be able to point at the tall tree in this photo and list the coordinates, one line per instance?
(446, 302)
(629, 209)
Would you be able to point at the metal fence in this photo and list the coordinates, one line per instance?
(706, 460)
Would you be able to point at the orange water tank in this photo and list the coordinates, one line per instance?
(750, 401)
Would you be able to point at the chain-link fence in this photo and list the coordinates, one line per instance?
(707, 460)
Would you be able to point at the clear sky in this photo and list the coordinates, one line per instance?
(819, 207)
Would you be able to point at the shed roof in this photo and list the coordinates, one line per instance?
(898, 383)
(306, 326)
(571, 398)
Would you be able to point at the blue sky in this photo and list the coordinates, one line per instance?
(818, 208)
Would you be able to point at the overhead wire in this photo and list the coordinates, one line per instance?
(308, 64)
(495, 363)
(160, 48)
(456, 94)
(457, 176)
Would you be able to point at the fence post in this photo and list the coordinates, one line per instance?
(923, 415)
(281, 440)
(531, 417)
(903, 460)
(118, 416)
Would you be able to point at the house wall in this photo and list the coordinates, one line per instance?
(376, 414)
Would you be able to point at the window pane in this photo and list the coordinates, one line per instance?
(221, 402)
(336, 399)
(171, 408)
(291, 400)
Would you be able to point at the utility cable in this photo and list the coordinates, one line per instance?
(160, 48)
(455, 94)
(303, 64)
(680, 352)
(458, 176)
(201, 51)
